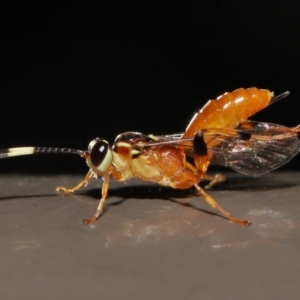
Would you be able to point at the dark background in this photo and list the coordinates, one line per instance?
(72, 73)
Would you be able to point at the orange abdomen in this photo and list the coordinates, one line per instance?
(229, 110)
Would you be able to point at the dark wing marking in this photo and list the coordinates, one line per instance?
(270, 146)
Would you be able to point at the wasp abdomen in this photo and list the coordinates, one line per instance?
(229, 110)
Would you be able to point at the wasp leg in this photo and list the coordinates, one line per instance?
(218, 178)
(215, 205)
(202, 156)
(202, 159)
(99, 210)
(85, 181)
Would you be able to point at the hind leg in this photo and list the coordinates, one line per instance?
(215, 205)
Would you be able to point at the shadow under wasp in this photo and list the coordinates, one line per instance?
(218, 134)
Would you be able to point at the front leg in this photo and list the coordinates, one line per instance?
(102, 200)
(85, 181)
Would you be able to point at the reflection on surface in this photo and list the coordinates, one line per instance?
(181, 214)
(146, 214)
(20, 245)
(271, 224)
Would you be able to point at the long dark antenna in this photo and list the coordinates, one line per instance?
(10, 152)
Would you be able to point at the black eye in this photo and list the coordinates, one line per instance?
(100, 155)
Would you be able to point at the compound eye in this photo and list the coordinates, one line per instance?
(100, 155)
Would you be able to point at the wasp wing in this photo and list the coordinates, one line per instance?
(269, 147)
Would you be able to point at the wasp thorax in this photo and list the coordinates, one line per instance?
(100, 155)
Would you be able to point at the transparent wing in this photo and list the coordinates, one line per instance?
(270, 146)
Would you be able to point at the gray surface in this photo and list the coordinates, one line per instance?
(148, 244)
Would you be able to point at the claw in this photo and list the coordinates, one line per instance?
(64, 190)
(89, 221)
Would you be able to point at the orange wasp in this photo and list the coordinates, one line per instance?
(219, 134)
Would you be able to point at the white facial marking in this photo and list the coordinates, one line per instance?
(106, 163)
(122, 144)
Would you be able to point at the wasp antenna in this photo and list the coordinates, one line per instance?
(10, 152)
(279, 97)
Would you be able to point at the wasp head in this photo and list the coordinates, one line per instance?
(99, 157)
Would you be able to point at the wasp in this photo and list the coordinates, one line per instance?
(220, 133)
